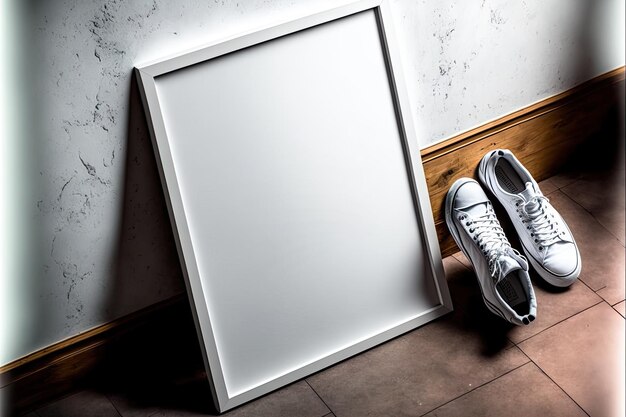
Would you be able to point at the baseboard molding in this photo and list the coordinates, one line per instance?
(62, 367)
(543, 136)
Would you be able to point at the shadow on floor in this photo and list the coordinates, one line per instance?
(471, 315)
(159, 365)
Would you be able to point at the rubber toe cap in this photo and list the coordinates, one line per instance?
(561, 259)
(469, 194)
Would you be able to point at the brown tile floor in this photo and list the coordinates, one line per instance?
(569, 362)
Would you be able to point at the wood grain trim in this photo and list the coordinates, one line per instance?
(543, 136)
(47, 356)
(520, 116)
(60, 368)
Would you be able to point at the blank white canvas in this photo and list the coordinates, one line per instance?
(289, 162)
(297, 198)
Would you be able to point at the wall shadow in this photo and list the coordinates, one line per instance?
(604, 151)
(158, 363)
(147, 269)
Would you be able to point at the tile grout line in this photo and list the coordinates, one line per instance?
(462, 264)
(541, 369)
(508, 337)
(560, 321)
(321, 399)
(561, 189)
(618, 312)
(602, 300)
(592, 216)
(590, 213)
(555, 383)
(116, 410)
(596, 292)
(481, 385)
(613, 305)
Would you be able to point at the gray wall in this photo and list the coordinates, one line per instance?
(88, 235)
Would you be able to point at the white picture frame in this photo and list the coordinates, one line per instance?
(297, 196)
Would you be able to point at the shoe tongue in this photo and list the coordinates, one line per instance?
(528, 194)
(476, 210)
(507, 265)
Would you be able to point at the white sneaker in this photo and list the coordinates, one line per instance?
(502, 272)
(546, 239)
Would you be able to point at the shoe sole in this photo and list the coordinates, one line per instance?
(549, 277)
(457, 238)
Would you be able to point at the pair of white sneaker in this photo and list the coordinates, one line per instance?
(501, 270)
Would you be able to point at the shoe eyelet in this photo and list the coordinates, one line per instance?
(467, 223)
(536, 241)
(540, 247)
(532, 234)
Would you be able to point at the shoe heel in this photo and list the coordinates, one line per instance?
(482, 169)
(448, 213)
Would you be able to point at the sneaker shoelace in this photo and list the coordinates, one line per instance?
(543, 227)
(490, 237)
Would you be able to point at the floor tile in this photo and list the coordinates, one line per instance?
(619, 308)
(584, 355)
(84, 403)
(538, 396)
(547, 186)
(460, 256)
(296, 400)
(564, 179)
(602, 254)
(603, 196)
(555, 305)
(132, 405)
(472, 314)
(423, 369)
(613, 292)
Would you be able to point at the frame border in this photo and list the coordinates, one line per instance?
(147, 74)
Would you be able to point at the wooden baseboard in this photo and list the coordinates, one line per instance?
(61, 368)
(543, 136)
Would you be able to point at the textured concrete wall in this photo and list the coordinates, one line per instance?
(468, 62)
(99, 243)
